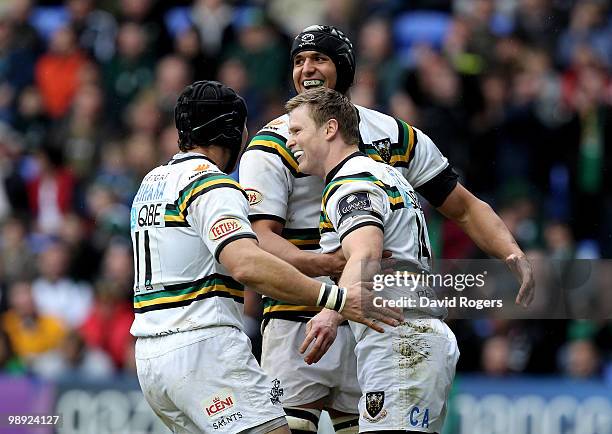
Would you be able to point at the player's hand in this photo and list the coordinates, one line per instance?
(333, 263)
(522, 269)
(321, 329)
(360, 307)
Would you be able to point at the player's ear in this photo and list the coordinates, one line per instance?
(331, 128)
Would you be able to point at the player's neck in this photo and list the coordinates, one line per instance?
(337, 155)
(215, 153)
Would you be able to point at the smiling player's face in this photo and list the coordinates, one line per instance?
(312, 69)
(307, 141)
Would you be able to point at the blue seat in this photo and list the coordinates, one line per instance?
(177, 20)
(47, 19)
(419, 27)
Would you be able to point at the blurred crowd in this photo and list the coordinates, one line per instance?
(517, 94)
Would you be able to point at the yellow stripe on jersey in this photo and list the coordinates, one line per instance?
(184, 294)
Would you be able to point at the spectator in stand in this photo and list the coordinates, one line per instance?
(172, 75)
(95, 29)
(376, 51)
(55, 292)
(10, 363)
(111, 216)
(581, 359)
(495, 355)
(16, 255)
(588, 144)
(73, 360)
(213, 20)
(537, 23)
(13, 196)
(31, 120)
(16, 67)
(30, 331)
(84, 257)
(188, 45)
(262, 51)
(114, 172)
(131, 69)
(148, 14)
(587, 27)
(19, 12)
(108, 325)
(57, 72)
(50, 191)
(82, 131)
(166, 144)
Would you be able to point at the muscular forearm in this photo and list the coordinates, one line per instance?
(480, 223)
(359, 269)
(488, 231)
(268, 275)
(307, 262)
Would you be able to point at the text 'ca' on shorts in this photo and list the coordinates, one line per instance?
(206, 381)
(335, 375)
(405, 375)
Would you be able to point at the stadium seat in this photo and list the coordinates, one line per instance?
(419, 27)
(47, 19)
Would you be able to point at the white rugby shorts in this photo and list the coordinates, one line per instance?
(405, 375)
(335, 375)
(207, 381)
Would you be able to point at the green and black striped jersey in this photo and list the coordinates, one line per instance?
(184, 213)
(278, 191)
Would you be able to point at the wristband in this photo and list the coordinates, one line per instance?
(332, 297)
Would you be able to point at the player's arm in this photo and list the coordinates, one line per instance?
(356, 213)
(488, 231)
(265, 172)
(272, 276)
(312, 264)
(432, 176)
(217, 207)
(363, 248)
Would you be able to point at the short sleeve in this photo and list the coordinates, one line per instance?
(352, 205)
(218, 210)
(426, 162)
(266, 178)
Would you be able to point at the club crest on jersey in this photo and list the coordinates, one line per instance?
(383, 147)
(223, 227)
(353, 202)
(219, 403)
(375, 401)
(255, 196)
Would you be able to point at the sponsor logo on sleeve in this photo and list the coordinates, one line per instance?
(353, 202)
(375, 401)
(255, 196)
(223, 227)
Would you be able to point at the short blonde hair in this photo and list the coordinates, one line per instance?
(326, 104)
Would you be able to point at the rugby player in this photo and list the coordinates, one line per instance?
(285, 206)
(193, 251)
(405, 376)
